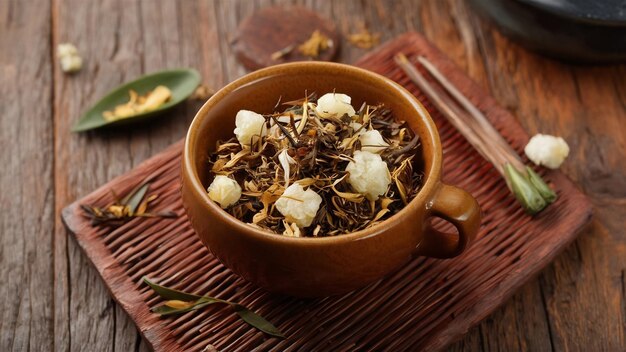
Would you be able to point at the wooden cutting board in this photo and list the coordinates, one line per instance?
(426, 305)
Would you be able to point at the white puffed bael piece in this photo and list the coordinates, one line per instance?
(547, 150)
(369, 174)
(224, 190)
(334, 104)
(69, 57)
(71, 63)
(249, 123)
(66, 49)
(372, 141)
(299, 206)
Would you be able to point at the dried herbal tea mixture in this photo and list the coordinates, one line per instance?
(318, 168)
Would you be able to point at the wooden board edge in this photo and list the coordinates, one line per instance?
(119, 285)
(505, 290)
(123, 292)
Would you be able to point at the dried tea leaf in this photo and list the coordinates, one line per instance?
(135, 198)
(182, 302)
(380, 215)
(386, 202)
(169, 293)
(257, 321)
(350, 197)
(291, 230)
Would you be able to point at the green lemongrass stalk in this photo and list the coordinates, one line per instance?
(527, 195)
(540, 185)
(528, 187)
(179, 302)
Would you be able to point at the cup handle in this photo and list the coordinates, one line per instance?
(459, 208)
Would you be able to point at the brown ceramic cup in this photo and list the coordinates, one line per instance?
(313, 267)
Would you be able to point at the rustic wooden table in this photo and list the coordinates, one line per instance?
(54, 300)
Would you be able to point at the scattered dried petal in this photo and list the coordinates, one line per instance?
(364, 39)
(315, 45)
(202, 93)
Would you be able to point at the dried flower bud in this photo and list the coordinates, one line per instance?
(248, 124)
(547, 150)
(224, 190)
(69, 57)
(369, 174)
(299, 206)
(334, 104)
(372, 141)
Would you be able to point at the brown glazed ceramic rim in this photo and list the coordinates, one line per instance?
(422, 199)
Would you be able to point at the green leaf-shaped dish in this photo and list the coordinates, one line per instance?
(182, 83)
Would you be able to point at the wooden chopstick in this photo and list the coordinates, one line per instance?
(462, 114)
(472, 109)
(529, 188)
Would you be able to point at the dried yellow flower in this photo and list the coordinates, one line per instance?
(203, 92)
(139, 104)
(364, 39)
(176, 304)
(314, 45)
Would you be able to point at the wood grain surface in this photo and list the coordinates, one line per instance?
(53, 298)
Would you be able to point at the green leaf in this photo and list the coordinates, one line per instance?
(524, 191)
(134, 198)
(541, 186)
(168, 293)
(182, 83)
(256, 320)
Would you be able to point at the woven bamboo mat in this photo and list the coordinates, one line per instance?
(425, 305)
